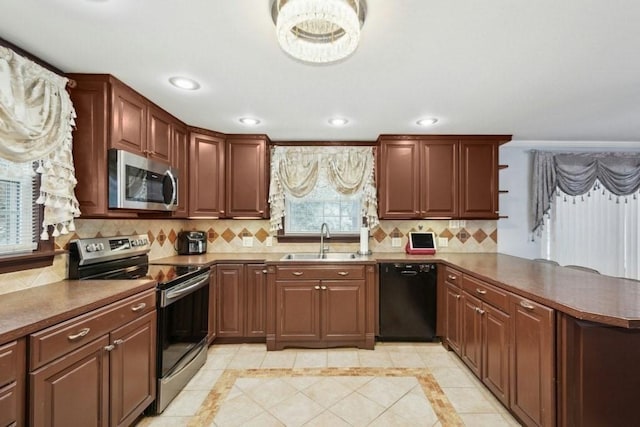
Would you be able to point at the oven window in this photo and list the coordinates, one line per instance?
(182, 325)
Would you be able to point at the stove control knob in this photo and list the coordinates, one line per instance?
(133, 243)
(89, 248)
(101, 246)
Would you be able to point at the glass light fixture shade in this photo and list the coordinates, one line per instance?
(319, 31)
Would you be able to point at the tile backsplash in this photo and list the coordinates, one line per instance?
(227, 236)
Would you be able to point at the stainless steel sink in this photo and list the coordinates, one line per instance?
(328, 256)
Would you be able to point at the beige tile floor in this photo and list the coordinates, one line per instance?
(397, 384)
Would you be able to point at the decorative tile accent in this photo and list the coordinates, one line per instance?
(151, 237)
(161, 238)
(212, 235)
(397, 233)
(462, 235)
(172, 236)
(245, 233)
(494, 235)
(446, 233)
(228, 235)
(262, 235)
(480, 235)
(379, 234)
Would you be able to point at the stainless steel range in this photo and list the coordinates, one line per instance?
(183, 298)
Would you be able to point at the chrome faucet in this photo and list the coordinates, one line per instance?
(324, 230)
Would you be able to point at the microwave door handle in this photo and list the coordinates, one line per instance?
(174, 188)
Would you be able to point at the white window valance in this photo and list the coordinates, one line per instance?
(36, 121)
(295, 171)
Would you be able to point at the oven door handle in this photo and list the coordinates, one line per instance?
(187, 287)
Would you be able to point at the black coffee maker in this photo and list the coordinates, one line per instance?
(192, 242)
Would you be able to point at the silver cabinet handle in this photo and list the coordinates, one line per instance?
(138, 307)
(481, 291)
(479, 311)
(118, 342)
(297, 273)
(317, 287)
(83, 332)
(343, 273)
(110, 347)
(526, 305)
(323, 287)
(451, 277)
(264, 271)
(457, 296)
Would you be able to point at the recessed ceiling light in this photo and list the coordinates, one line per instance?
(249, 121)
(184, 83)
(427, 122)
(338, 121)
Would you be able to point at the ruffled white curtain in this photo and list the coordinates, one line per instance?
(295, 171)
(36, 121)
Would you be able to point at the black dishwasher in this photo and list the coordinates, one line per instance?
(407, 302)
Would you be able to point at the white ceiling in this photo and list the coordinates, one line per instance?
(540, 70)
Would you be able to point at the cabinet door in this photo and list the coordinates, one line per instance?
(478, 179)
(129, 120)
(453, 315)
(133, 369)
(246, 177)
(343, 310)
(73, 390)
(13, 359)
(159, 134)
(495, 355)
(298, 310)
(206, 176)
(90, 146)
(256, 294)
(439, 179)
(532, 362)
(180, 161)
(231, 300)
(471, 346)
(212, 305)
(399, 187)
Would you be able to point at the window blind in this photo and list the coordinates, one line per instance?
(18, 214)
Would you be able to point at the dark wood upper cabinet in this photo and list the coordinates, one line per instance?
(112, 115)
(478, 179)
(438, 176)
(247, 176)
(128, 119)
(160, 130)
(180, 156)
(206, 175)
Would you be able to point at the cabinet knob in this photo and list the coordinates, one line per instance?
(457, 296)
(297, 273)
(83, 332)
(481, 291)
(118, 342)
(526, 305)
(317, 287)
(451, 277)
(343, 273)
(323, 287)
(264, 271)
(109, 347)
(479, 311)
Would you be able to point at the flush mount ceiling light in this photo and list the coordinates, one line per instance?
(184, 83)
(338, 121)
(318, 31)
(249, 121)
(427, 122)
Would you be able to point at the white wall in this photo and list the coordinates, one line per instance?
(514, 236)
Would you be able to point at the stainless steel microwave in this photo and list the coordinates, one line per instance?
(136, 182)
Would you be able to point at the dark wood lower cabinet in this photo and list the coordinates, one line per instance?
(132, 369)
(321, 306)
(107, 381)
(12, 383)
(73, 390)
(241, 301)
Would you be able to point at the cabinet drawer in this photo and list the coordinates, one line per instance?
(8, 405)
(453, 276)
(320, 272)
(486, 292)
(56, 341)
(8, 363)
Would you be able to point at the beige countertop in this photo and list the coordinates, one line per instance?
(583, 295)
(29, 310)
